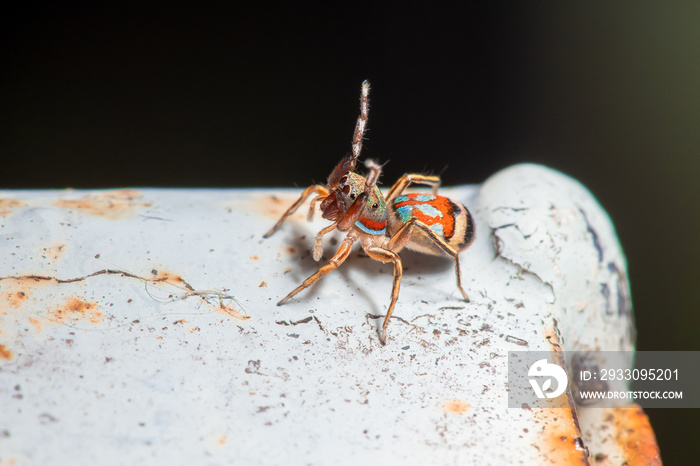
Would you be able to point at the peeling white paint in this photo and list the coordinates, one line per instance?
(107, 367)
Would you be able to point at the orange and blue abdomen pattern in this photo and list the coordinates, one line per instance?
(448, 219)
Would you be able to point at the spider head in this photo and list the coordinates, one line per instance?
(344, 186)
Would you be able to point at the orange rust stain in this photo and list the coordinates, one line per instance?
(561, 438)
(635, 436)
(233, 312)
(274, 206)
(6, 353)
(263, 284)
(75, 309)
(53, 252)
(456, 406)
(14, 297)
(254, 258)
(221, 440)
(167, 277)
(208, 297)
(110, 204)
(553, 335)
(36, 324)
(271, 206)
(8, 205)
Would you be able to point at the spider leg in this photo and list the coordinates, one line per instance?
(412, 178)
(312, 206)
(403, 236)
(318, 245)
(361, 124)
(384, 255)
(318, 189)
(341, 254)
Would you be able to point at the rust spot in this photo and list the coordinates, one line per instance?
(75, 309)
(233, 312)
(167, 277)
(53, 252)
(14, 297)
(6, 353)
(221, 440)
(12, 292)
(291, 250)
(273, 206)
(8, 205)
(561, 437)
(254, 258)
(36, 324)
(620, 435)
(263, 284)
(635, 436)
(208, 297)
(109, 204)
(455, 406)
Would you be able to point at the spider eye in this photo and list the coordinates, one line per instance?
(375, 205)
(353, 196)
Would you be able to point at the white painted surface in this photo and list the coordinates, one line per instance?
(137, 368)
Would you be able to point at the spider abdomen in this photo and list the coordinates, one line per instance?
(448, 219)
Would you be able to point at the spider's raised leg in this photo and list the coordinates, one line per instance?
(341, 254)
(361, 124)
(403, 236)
(321, 190)
(412, 178)
(384, 255)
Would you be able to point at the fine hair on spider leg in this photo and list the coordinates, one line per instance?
(361, 124)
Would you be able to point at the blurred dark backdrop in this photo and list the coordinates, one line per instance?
(231, 95)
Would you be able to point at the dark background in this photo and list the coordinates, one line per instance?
(232, 95)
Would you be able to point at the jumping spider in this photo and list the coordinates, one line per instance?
(427, 223)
